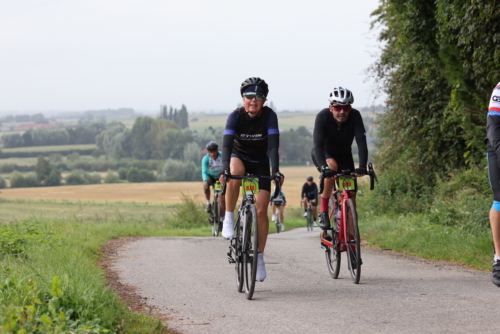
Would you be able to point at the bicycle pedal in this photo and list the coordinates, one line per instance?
(230, 259)
(323, 247)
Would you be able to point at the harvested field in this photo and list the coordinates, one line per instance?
(155, 192)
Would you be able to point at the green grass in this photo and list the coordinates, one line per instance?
(50, 148)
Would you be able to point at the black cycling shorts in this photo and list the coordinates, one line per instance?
(209, 182)
(312, 203)
(494, 174)
(344, 162)
(256, 168)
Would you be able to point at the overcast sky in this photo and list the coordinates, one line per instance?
(65, 55)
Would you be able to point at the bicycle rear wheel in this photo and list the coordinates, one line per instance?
(250, 250)
(353, 243)
(238, 256)
(332, 254)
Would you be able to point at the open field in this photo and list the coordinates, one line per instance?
(154, 192)
(50, 148)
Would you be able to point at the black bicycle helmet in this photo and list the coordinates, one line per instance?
(309, 178)
(254, 81)
(212, 146)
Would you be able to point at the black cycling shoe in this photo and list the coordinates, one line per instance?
(208, 208)
(324, 221)
(495, 277)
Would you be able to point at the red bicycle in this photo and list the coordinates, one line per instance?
(344, 234)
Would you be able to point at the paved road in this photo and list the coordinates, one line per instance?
(191, 280)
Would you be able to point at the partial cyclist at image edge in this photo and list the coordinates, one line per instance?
(211, 168)
(280, 202)
(309, 193)
(335, 129)
(492, 142)
(251, 139)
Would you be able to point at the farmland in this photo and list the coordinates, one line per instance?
(154, 192)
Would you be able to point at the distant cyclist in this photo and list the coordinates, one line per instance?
(334, 131)
(493, 147)
(309, 193)
(251, 139)
(280, 202)
(211, 168)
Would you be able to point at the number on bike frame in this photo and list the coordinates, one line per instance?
(347, 182)
(250, 186)
(218, 187)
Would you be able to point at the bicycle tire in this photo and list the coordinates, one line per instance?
(309, 219)
(353, 244)
(277, 221)
(332, 255)
(238, 256)
(250, 251)
(216, 207)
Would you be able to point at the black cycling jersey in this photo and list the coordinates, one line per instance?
(310, 191)
(336, 139)
(254, 139)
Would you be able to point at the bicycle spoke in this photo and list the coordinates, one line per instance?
(353, 244)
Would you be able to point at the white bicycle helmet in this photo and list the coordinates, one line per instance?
(341, 95)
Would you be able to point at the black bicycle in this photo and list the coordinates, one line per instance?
(214, 217)
(244, 247)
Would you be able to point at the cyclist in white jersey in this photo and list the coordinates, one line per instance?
(211, 168)
(492, 141)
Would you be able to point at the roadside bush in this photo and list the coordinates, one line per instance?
(17, 180)
(54, 178)
(122, 173)
(76, 177)
(3, 183)
(188, 214)
(111, 177)
(94, 178)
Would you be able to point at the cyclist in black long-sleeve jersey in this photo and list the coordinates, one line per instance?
(251, 138)
(334, 131)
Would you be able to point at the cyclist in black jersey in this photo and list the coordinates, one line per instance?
(310, 193)
(334, 131)
(251, 138)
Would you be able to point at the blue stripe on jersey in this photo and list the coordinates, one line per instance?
(273, 131)
(229, 132)
(493, 113)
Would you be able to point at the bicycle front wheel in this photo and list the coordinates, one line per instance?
(309, 219)
(278, 222)
(250, 250)
(216, 215)
(332, 254)
(353, 241)
(238, 256)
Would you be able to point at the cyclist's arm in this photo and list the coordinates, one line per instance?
(319, 134)
(204, 168)
(315, 192)
(360, 134)
(273, 135)
(303, 193)
(228, 139)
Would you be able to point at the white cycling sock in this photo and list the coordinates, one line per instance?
(497, 258)
(208, 201)
(229, 216)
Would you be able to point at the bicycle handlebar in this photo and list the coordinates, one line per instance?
(371, 174)
(277, 181)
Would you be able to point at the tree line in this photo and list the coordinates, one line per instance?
(438, 67)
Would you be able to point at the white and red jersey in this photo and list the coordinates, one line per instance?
(494, 107)
(492, 139)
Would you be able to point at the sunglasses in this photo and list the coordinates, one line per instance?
(257, 96)
(341, 107)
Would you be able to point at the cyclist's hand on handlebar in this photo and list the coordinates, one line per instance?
(280, 176)
(225, 176)
(327, 172)
(360, 172)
